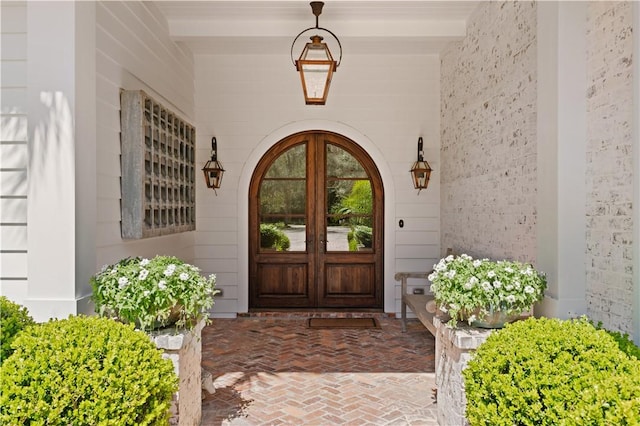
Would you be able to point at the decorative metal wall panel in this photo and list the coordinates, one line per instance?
(158, 168)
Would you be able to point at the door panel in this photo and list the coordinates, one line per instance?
(283, 280)
(316, 226)
(349, 280)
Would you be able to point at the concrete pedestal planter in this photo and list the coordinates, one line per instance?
(184, 348)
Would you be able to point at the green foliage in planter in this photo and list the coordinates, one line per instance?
(85, 371)
(462, 285)
(552, 372)
(272, 237)
(149, 292)
(13, 319)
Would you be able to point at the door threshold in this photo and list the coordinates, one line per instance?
(316, 313)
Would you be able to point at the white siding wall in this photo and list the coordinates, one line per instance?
(489, 134)
(13, 151)
(386, 104)
(610, 214)
(134, 52)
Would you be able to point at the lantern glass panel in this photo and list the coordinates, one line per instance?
(315, 79)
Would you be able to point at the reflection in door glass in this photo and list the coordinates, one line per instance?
(283, 200)
(349, 215)
(342, 164)
(290, 164)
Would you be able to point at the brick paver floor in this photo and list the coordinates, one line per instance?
(276, 371)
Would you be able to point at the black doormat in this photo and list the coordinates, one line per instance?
(343, 323)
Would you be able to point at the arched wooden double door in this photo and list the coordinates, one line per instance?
(316, 221)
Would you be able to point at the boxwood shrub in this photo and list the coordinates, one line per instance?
(552, 372)
(622, 339)
(85, 371)
(13, 319)
(272, 237)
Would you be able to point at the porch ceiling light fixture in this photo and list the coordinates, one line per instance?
(213, 170)
(421, 170)
(316, 64)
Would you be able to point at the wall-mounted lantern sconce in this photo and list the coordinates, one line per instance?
(213, 170)
(316, 65)
(421, 171)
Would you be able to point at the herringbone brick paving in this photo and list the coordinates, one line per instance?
(276, 371)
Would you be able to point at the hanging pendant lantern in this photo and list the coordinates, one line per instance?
(316, 64)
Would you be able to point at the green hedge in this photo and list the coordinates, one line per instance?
(552, 372)
(85, 371)
(273, 237)
(13, 319)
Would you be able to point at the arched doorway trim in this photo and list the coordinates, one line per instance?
(243, 205)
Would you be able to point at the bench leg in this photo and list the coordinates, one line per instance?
(403, 309)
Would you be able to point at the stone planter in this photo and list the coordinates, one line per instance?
(493, 319)
(454, 347)
(184, 348)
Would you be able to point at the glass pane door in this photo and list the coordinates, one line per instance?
(349, 214)
(283, 200)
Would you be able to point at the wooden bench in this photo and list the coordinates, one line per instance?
(423, 305)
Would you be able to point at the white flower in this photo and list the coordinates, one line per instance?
(123, 281)
(146, 293)
(449, 258)
(529, 289)
(184, 276)
(162, 284)
(440, 266)
(471, 283)
(432, 276)
(527, 271)
(491, 274)
(450, 274)
(511, 298)
(508, 287)
(472, 318)
(497, 284)
(508, 269)
(486, 285)
(143, 275)
(144, 262)
(104, 268)
(170, 270)
(517, 284)
(477, 263)
(465, 256)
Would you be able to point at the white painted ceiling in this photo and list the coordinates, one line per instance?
(363, 26)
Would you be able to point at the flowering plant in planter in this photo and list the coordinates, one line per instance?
(473, 289)
(153, 293)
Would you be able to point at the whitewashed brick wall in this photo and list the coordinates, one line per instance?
(488, 134)
(609, 289)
